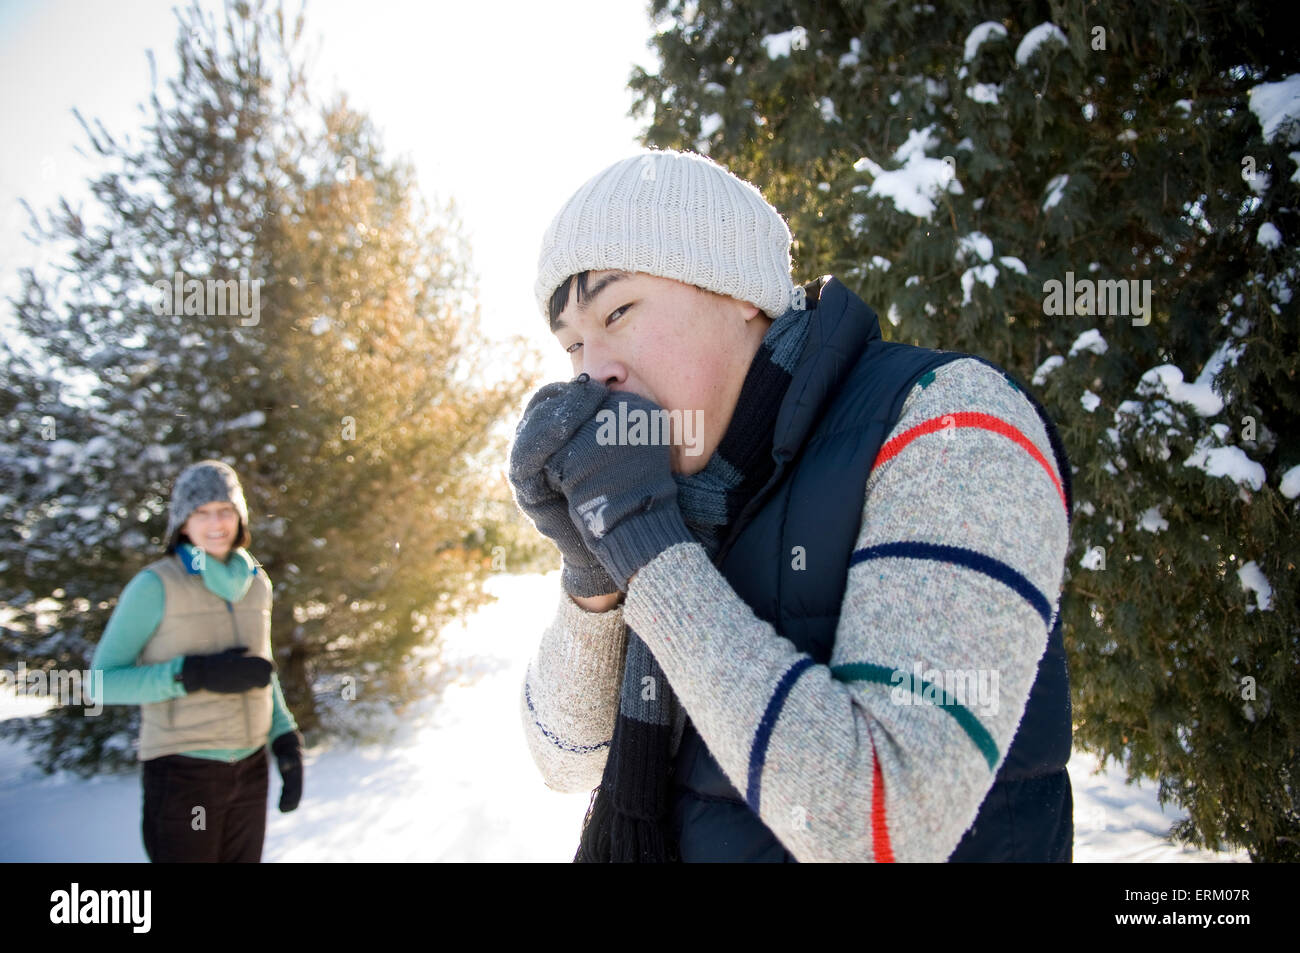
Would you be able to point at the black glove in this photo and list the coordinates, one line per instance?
(288, 758)
(229, 671)
(552, 417)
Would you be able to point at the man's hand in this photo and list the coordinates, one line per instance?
(622, 498)
(553, 416)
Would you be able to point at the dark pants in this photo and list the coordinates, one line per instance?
(231, 824)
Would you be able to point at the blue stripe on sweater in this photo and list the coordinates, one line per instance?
(554, 738)
(961, 556)
(758, 752)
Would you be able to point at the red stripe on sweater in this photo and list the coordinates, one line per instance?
(880, 848)
(967, 418)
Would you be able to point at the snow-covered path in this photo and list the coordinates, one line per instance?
(457, 783)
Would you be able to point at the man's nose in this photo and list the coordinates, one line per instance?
(603, 368)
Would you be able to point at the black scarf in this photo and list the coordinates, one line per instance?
(627, 819)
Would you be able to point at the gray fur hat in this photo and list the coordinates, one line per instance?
(208, 481)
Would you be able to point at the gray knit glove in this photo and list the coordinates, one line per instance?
(552, 417)
(622, 498)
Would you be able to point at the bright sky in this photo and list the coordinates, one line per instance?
(485, 98)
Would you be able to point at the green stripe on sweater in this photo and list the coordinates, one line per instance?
(883, 675)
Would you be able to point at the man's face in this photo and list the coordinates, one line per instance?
(686, 349)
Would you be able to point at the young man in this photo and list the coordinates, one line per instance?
(824, 626)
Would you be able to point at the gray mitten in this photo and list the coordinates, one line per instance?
(622, 497)
(552, 417)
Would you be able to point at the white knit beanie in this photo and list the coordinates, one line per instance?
(676, 215)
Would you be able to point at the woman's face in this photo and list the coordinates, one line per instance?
(212, 527)
(685, 349)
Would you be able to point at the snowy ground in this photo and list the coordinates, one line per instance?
(457, 783)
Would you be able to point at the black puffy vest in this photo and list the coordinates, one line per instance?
(844, 398)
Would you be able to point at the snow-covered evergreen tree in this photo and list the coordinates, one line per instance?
(258, 284)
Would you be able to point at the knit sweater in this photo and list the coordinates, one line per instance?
(962, 544)
(138, 613)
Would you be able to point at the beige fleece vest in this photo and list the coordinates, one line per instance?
(196, 621)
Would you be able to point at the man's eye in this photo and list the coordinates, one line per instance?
(569, 349)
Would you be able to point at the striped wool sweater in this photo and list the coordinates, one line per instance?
(954, 584)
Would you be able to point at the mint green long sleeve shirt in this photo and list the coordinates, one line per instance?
(137, 616)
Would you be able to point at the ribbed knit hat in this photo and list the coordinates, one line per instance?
(208, 481)
(676, 215)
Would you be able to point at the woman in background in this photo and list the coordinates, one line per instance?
(190, 643)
